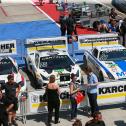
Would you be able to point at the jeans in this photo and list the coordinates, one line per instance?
(73, 108)
(93, 102)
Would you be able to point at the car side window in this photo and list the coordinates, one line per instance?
(37, 60)
(95, 52)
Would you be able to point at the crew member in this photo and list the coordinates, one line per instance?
(12, 90)
(4, 109)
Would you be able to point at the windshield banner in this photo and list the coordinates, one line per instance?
(42, 44)
(90, 41)
(8, 47)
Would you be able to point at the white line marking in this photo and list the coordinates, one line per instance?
(43, 12)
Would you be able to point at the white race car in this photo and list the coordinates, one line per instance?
(42, 64)
(107, 62)
(9, 66)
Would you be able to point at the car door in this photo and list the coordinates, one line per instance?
(93, 62)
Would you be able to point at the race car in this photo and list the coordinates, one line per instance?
(42, 64)
(9, 66)
(107, 62)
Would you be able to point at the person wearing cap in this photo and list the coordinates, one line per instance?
(73, 90)
(12, 90)
(104, 26)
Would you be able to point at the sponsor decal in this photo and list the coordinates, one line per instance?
(113, 67)
(113, 89)
(34, 99)
(59, 70)
(121, 74)
(8, 47)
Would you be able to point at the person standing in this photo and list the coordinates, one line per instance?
(112, 14)
(71, 26)
(73, 90)
(12, 90)
(96, 121)
(123, 31)
(4, 109)
(92, 89)
(63, 26)
(53, 93)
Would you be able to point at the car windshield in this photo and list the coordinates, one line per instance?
(112, 55)
(7, 67)
(55, 62)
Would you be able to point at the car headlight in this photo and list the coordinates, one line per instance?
(44, 78)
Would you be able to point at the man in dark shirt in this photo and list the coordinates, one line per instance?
(12, 90)
(4, 108)
(62, 22)
(71, 26)
(96, 121)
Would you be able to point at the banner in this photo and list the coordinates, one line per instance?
(8, 47)
(42, 44)
(37, 106)
(112, 92)
(90, 41)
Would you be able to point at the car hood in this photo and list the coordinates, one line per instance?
(60, 72)
(116, 68)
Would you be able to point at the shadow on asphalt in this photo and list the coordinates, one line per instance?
(121, 106)
(120, 123)
(63, 115)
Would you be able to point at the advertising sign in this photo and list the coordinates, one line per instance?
(112, 92)
(40, 106)
(90, 41)
(8, 47)
(42, 44)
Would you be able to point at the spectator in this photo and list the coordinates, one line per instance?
(92, 89)
(40, 2)
(71, 26)
(77, 123)
(63, 26)
(112, 14)
(53, 99)
(123, 31)
(73, 91)
(12, 90)
(96, 121)
(113, 26)
(97, 26)
(4, 109)
(104, 27)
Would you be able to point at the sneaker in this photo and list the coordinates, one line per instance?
(14, 123)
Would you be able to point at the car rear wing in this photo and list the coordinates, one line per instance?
(87, 42)
(44, 44)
